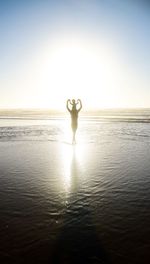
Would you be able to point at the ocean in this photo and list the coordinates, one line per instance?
(83, 203)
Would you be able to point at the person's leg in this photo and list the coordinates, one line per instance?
(74, 136)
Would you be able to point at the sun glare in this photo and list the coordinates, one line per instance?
(78, 69)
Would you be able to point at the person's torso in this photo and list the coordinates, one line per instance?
(74, 115)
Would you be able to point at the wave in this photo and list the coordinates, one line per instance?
(130, 119)
(89, 131)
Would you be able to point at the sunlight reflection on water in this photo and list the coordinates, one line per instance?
(70, 156)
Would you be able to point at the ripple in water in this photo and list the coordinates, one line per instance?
(83, 204)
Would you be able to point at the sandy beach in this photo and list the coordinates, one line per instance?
(87, 203)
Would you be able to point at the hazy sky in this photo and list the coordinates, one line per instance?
(96, 50)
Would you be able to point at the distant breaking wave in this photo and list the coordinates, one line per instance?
(109, 114)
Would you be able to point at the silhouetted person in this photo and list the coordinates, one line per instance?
(74, 115)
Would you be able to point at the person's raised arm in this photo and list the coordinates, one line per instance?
(67, 104)
(79, 101)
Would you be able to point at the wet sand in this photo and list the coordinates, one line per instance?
(81, 204)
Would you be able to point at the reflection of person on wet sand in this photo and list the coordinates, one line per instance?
(74, 115)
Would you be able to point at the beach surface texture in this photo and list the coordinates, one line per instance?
(87, 203)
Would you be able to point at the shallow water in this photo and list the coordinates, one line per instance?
(87, 203)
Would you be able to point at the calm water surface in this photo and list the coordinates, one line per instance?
(87, 203)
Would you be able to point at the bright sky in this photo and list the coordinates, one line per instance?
(90, 49)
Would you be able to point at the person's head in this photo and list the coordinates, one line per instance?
(73, 101)
(73, 104)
